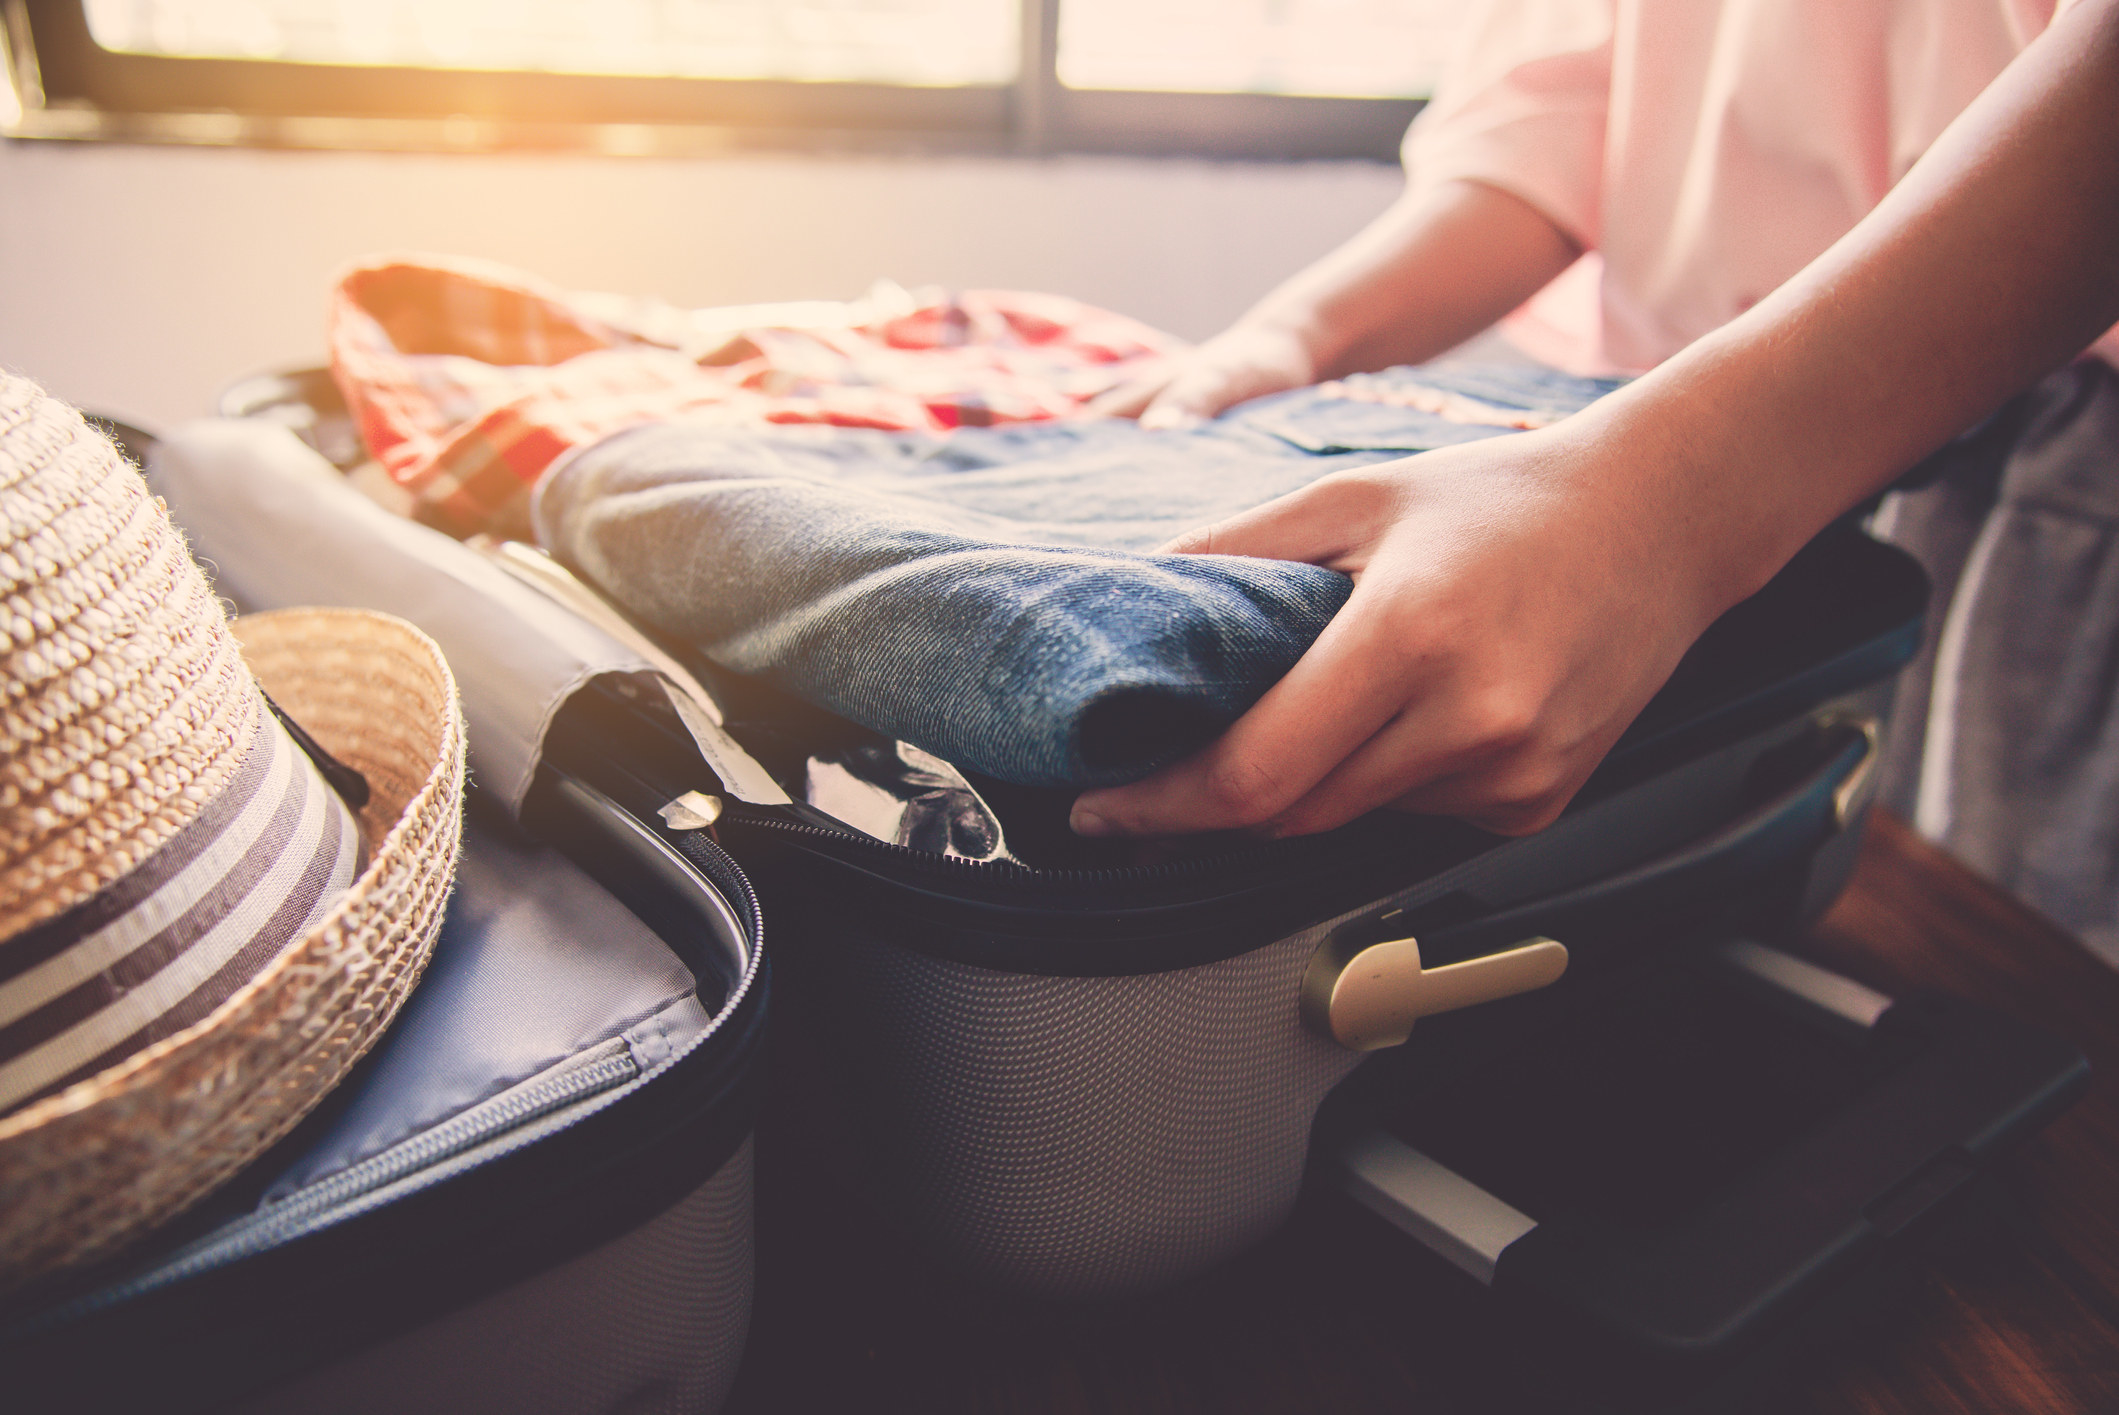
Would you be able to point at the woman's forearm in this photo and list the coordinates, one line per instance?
(1994, 261)
(1429, 273)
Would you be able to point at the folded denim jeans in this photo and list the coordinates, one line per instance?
(992, 596)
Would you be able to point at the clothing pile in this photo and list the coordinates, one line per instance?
(468, 380)
(994, 596)
(962, 559)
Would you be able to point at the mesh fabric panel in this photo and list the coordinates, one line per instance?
(1080, 1136)
(651, 1323)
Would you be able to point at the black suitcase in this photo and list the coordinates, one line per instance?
(1082, 1077)
(1074, 1076)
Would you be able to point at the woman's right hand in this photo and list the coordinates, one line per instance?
(1240, 363)
(1516, 601)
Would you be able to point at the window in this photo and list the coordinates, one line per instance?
(1266, 78)
(1321, 48)
(926, 43)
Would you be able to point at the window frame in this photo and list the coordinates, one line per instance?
(68, 87)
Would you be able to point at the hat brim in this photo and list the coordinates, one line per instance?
(99, 1163)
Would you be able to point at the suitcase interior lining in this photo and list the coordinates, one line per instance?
(550, 966)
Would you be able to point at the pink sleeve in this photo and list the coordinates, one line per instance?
(1523, 108)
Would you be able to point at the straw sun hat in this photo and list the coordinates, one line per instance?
(198, 933)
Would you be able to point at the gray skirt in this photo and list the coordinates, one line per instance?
(2005, 748)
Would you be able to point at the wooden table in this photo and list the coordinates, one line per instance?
(1331, 1317)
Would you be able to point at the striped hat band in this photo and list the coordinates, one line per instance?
(174, 939)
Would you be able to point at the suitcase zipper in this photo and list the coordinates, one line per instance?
(601, 1068)
(647, 789)
(904, 856)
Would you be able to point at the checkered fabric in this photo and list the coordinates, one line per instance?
(468, 379)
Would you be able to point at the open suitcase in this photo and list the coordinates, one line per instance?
(1084, 1081)
(533, 1195)
(1079, 1078)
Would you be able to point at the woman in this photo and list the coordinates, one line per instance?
(1835, 235)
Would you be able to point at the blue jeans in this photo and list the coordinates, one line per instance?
(990, 596)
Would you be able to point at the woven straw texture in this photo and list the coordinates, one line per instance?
(101, 1161)
(125, 705)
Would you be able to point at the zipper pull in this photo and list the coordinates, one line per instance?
(694, 810)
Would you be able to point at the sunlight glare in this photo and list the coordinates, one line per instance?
(938, 43)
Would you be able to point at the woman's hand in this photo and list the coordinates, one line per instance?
(1240, 363)
(1516, 602)
(1436, 268)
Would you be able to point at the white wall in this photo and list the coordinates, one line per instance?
(138, 280)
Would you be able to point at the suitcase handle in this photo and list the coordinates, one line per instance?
(1960, 1086)
(1368, 995)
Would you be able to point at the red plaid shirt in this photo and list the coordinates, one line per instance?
(469, 379)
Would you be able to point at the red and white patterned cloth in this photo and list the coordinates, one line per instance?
(468, 379)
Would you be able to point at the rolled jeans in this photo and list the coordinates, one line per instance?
(994, 596)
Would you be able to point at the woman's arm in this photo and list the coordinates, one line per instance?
(1518, 600)
(1438, 267)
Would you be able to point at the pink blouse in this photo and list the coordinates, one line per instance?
(1701, 152)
